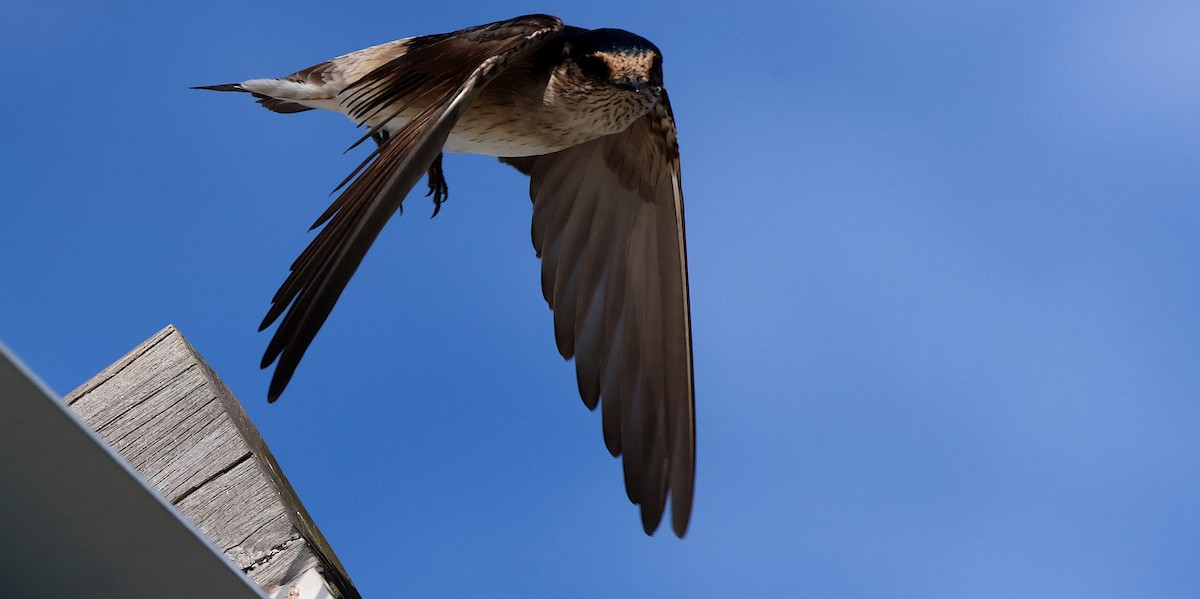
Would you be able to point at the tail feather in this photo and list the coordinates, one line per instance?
(224, 87)
(274, 104)
(280, 106)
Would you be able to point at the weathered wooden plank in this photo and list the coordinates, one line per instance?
(159, 413)
(248, 534)
(165, 410)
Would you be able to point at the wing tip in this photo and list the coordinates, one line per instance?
(279, 382)
(680, 529)
(681, 514)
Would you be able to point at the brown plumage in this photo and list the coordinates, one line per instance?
(584, 115)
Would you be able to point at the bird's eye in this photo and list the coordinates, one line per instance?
(594, 67)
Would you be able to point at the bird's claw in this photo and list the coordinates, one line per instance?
(437, 185)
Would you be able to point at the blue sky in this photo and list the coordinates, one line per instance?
(945, 292)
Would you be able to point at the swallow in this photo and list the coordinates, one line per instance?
(583, 113)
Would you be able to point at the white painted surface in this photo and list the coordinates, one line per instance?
(77, 521)
(309, 585)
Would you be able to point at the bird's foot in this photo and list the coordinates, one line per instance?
(437, 185)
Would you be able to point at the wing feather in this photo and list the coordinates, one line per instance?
(589, 309)
(322, 271)
(575, 235)
(608, 225)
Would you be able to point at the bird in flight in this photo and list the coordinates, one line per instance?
(584, 114)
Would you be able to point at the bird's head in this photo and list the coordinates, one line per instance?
(615, 59)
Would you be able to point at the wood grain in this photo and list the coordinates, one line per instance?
(164, 409)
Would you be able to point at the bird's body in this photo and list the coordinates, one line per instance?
(584, 114)
(522, 112)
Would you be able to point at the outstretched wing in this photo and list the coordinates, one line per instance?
(446, 71)
(608, 225)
